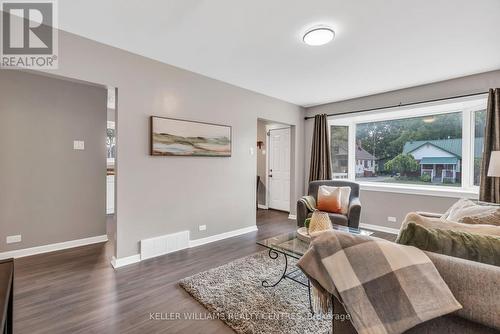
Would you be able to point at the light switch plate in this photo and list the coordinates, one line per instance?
(79, 145)
(13, 239)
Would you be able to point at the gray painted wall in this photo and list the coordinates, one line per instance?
(49, 192)
(375, 204)
(162, 195)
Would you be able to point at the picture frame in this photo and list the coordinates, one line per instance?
(186, 138)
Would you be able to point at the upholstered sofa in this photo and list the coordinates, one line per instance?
(475, 285)
(351, 219)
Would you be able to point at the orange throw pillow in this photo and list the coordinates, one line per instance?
(329, 199)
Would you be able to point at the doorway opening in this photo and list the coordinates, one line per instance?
(111, 160)
(111, 151)
(274, 165)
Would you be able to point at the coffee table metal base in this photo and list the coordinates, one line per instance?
(295, 275)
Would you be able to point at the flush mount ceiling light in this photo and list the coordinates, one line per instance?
(318, 36)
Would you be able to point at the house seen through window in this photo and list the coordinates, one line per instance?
(422, 150)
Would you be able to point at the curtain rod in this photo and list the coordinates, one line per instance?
(400, 105)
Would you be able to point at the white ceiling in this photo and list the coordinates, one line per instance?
(380, 45)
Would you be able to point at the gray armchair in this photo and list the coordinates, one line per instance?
(352, 218)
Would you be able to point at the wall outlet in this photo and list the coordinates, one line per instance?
(78, 145)
(392, 219)
(202, 227)
(13, 239)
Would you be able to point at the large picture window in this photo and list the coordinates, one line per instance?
(419, 150)
(437, 146)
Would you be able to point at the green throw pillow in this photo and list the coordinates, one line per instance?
(475, 247)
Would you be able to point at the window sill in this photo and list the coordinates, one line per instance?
(442, 191)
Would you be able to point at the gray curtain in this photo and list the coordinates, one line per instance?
(321, 165)
(489, 190)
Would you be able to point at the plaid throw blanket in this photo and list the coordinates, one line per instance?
(309, 202)
(385, 287)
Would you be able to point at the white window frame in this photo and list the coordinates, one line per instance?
(467, 106)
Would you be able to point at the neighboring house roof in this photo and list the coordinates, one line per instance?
(453, 146)
(362, 154)
(439, 161)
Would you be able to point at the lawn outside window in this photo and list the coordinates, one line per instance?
(432, 148)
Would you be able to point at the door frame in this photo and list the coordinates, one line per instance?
(268, 154)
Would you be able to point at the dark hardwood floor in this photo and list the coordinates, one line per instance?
(77, 290)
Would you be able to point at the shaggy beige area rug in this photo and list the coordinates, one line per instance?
(234, 294)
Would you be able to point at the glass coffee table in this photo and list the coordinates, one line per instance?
(290, 246)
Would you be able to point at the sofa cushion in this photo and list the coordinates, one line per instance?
(475, 247)
(469, 212)
(487, 219)
(449, 225)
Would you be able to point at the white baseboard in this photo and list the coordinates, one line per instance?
(52, 247)
(125, 261)
(262, 206)
(292, 217)
(225, 235)
(380, 228)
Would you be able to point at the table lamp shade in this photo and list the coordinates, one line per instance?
(494, 168)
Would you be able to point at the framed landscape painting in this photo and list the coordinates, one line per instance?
(175, 137)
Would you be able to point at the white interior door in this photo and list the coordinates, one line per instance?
(279, 169)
